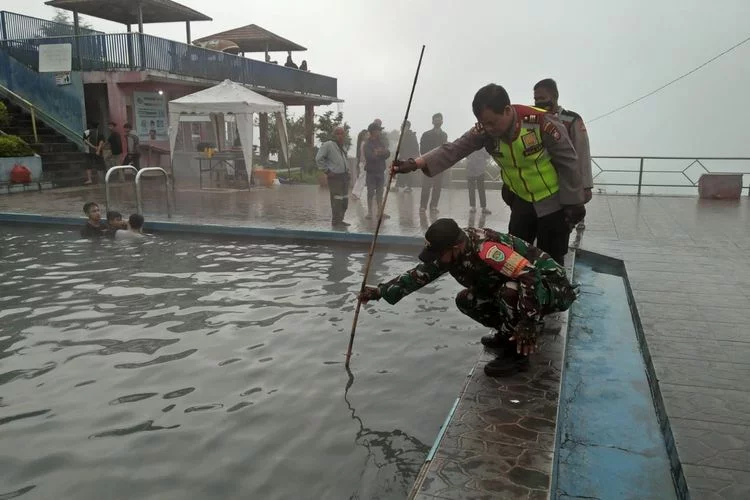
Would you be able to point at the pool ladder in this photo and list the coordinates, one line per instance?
(137, 185)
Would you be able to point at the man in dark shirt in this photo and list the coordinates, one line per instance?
(409, 148)
(94, 227)
(113, 148)
(432, 185)
(375, 156)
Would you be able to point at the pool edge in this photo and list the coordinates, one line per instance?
(161, 226)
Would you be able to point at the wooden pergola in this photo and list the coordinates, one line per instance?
(132, 12)
(253, 38)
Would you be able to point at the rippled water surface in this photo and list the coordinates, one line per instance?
(199, 368)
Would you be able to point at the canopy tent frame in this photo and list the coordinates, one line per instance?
(229, 98)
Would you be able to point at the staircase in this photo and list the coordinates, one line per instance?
(63, 163)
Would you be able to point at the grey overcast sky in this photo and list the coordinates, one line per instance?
(603, 53)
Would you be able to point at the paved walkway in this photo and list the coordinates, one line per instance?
(687, 261)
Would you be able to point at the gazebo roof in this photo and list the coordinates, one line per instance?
(253, 38)
(126, 12)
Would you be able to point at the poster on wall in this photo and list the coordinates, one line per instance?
(150, 116)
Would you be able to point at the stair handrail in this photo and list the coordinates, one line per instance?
(71, 134)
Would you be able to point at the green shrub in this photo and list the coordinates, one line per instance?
(12, 145)
(4, 115)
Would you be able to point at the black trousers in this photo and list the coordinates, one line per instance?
(550, 232)
(338, 185)
(431, 186)
(477, 183)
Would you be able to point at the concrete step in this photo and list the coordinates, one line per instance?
(63, 157)
(54, 137)
(54, 147)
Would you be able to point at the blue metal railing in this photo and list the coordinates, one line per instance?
(18, 26)
(135, 51)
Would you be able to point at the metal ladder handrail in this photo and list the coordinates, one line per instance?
(106, 182)
(139, 199)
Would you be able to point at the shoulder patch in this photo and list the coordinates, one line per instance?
(550, 129)
(503, 258)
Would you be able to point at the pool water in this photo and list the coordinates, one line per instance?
(210, 368)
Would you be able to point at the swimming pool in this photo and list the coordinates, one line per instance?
(213, 368)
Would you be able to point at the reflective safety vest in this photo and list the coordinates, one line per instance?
(525, 166)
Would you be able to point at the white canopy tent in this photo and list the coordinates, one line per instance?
(227, 98)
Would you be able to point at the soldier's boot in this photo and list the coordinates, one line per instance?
(507, 365)
(496, 341)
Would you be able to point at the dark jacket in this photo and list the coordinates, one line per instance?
(409, 145)
(115, 143)
(432, 139)
(375, 155)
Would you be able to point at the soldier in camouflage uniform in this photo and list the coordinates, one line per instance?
(510, 286)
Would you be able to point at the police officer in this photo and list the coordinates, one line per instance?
(545, 97)
(510, 287)
(537, 162)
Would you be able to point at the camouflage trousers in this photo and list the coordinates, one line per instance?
(500, 310)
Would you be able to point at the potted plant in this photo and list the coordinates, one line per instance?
(15, 153)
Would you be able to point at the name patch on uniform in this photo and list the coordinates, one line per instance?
(552, 131)
(529, 140)
(533, 150)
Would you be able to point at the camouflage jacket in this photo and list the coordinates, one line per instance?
(492, 259)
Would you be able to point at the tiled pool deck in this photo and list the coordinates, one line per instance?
(687, 262)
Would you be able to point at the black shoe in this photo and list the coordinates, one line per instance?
(341, 223)
(496, 341)
(486, 212)
(507, 366)
(368, 216)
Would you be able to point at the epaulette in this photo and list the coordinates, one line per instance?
(533, 118)
(569, 116)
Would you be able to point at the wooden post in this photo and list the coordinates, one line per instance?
(309, 124)
(263, 135)
(309, 128)
(140, 17)
(141, 41)
(76, 32)
(3, 29)
(187, 31)
(131, 56)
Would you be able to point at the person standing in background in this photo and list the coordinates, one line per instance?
(94, 139)
(545, 97)
(132, 156)
(331, 159)
(409, 149)
(476, 165)
(431, 186)
(375, 155)
(113, 149)
(359, 183)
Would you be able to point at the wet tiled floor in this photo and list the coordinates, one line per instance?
(686, 259)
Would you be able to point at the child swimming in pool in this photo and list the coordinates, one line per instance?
(94, 227)
(114, 222)
(134, 229)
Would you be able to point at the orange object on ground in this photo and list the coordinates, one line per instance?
(265, 177)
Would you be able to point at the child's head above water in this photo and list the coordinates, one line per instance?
(92, 211)
(136, 222)
(114, 219)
